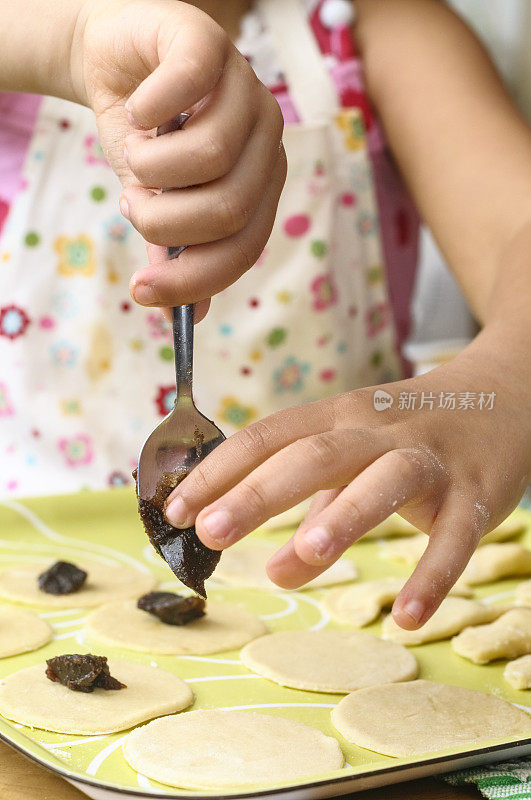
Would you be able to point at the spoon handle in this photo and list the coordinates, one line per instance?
(183, 341)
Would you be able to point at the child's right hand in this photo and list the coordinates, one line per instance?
(138, 64)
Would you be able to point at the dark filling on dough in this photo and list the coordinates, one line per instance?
(188, 558)
(62, 578)
(82, 673)
(173, 609)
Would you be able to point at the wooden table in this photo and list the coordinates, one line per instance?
(21, 779)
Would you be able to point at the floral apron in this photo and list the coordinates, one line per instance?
(85, 374)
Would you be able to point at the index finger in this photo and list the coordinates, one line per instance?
(239, 455)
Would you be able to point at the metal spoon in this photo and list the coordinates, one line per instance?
(183, 439)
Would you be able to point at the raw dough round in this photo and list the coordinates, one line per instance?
(507, 637)
(227, 749)
(245, 565)
(21, 631)
(105, 582)
(410, 719)
(361, 603)
(225, 627)
(328, 660)
(454, 614)
(492, 562)
(518, 673)
(32, 699)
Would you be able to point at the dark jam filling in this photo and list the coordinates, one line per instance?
(173, 609)
(188, 558)
(62, 578)
(82, 673)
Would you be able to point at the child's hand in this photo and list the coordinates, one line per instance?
(455, 474)
(138, 64)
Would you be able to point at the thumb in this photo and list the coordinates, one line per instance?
(192, 55)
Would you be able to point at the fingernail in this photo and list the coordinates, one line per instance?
(124, 207)
(176, 513)
(143, 294)
(415, 609)
(218, 525)
(319, 539)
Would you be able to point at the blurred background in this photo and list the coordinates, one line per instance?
(505, 28)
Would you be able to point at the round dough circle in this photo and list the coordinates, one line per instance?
(227, 749)
(328, 660)
(21, 631)
(244, 565)
(105, 582)
(361, 603)
(225, 627)
(30, 698)
(409, 719)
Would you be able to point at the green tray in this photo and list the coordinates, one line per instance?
(105, 525)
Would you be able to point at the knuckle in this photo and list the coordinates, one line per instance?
(255, 438)
(323, 449)
(201, 483)
(351, 508)
(137, 162)
(274, 112)
(406, 462)
(148, 225)
(244, 257)
(252, 496)
(231, 213)
(217, 156)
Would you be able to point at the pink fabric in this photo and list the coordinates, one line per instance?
(399, 218)
(18, 113)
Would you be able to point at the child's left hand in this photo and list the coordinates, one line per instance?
(455, 474)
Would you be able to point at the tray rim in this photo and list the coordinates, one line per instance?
(523, 745)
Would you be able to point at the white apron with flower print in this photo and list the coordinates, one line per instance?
(85, 374)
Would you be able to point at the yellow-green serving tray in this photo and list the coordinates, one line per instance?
(105, 525)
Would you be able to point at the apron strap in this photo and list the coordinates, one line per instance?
(309, 81)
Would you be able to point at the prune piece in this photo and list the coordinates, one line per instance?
(188, 558)
(62, 578)
(173, 609)
(82, 673)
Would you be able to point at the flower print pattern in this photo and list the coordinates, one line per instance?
(290, 377)
(70, 406)
(360, 178)
(76, 255)
(116, 229)
(159, 327)
(351, 124)
(276, 337)
(65, 305)
(13, 321)
(165, 399)
(374, 275)
(324, 292)
(93, 151)
(64, 354)
(6, 407)
(377, 318)
(77, 450)
(117, 478)
(235, 413)
(367, 223)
